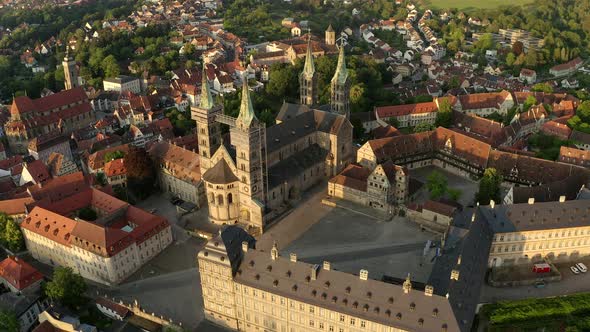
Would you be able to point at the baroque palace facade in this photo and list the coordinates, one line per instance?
(261, 169)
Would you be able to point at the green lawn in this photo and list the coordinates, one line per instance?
(473, 4)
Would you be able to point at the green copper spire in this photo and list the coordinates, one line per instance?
(246, 110)
(309, 68)
(341, 71)
(206, 99)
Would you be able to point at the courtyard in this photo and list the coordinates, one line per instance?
(467, 187)
(351, 241)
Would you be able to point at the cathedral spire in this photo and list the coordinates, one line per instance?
(206, 99)
(341, 73)
(309, 68)
(246, 109)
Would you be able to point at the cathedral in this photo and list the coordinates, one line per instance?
(255, 176)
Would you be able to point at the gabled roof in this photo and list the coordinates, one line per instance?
(221, 173)
(19, 273)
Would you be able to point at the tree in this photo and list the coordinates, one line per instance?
(517, 48)
(531, 59)
(110, 66)
(444, 116)
(422, 127)
(489, 187)
(140, 171)
(528, 103)
(66, 287)
(542, 87)
(11, 236)
(510, 59)
(87, 214)
(393, 122)
(454, 194)
(8, 321)
(110, 156)
(437, 185)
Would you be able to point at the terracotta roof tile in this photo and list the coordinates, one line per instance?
(19, 273)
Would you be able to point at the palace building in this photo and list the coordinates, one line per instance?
(260, 169)
(246, 289)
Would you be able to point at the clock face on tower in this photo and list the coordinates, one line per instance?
(246, 189)
(254, 188)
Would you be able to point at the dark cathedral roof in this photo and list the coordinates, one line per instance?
(221, 173)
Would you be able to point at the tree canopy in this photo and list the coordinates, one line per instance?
(8, 321)
(11, 236)
(489, 187)
(141, 173)
(66, 287)
(437, 185)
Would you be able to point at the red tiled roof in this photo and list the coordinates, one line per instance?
(115, 167)
(400, 110)
(60, 187)
(353, 176)
(38, 171)
(19, 273)
(483, 100)
(15, 206)
(115, 307)
(24, 104)
(96, 160)
(568, 65)
(51, 225)
(439, 207)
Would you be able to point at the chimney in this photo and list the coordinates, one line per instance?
(314, 271)
(244, 246)
(364, 275)
(428, 290)
(293, 257)
(561, 199)
(492, 203)
(326, 265)
(531, 201)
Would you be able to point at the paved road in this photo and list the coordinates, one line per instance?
(175, 295)
(570, 284)
(365, 253)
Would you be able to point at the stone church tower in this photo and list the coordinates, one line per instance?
(330, 36)
(248, 136)
(70, 71)
(208, 130)
(308, 80)
(340, 87)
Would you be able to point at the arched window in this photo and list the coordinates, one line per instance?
(220, 199)
(229, 198)
(211, 198)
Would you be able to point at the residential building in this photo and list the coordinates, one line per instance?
(179, 172)
(111, 309)
(574, 156)
(116, 173)
(527, 75)
(35, 172)
(64, 112)
(566, 68)
(15, 208)
(581, 140)
(95, 162)
(122, 83)
(483, 104)
(42, 146)
(59, 319)
(381, 188)
(26, 306)
(409, 115)
(58, 165)
(19, 276)
(106, 250)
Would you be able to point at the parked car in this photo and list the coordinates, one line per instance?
(582, 267)
(574, 270)
(539, 284)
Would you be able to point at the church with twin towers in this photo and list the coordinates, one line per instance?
(256, 174)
